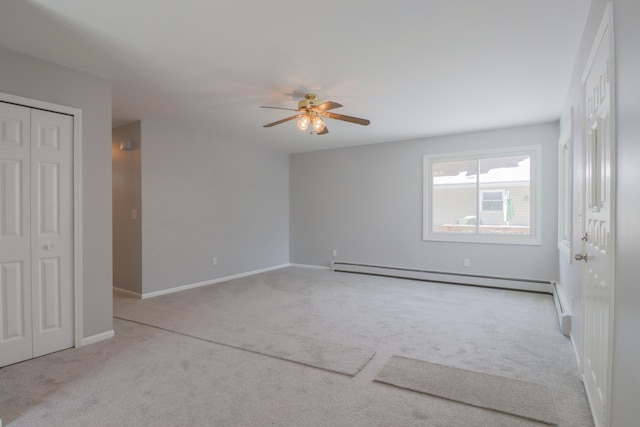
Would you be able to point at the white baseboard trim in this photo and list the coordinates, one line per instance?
(126, 292)
(97, 338)
(211, 282)
(445, 277)
(312, 267)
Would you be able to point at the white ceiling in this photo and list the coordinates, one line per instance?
(414, 68)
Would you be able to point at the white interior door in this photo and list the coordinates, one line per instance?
(597, 271)
(51, 232)
(15, 235)
(36, 233)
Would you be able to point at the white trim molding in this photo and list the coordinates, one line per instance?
(211, 282)
(309, 266)
(126, 293)
(97, 338)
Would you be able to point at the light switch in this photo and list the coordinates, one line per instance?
(134, 214)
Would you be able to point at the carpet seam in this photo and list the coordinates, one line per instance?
(244, 349)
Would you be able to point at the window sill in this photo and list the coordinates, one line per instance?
(490, 238)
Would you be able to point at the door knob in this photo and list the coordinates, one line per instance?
(582, 257)
(49, 246)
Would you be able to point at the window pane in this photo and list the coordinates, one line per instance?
(489, 196)
(504, 185)
(454, 197)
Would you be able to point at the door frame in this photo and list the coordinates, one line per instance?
(77, 198)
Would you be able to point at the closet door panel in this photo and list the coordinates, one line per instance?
(16, 342)
(51, 231)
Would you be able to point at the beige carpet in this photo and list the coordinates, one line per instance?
(151, 376)
(200, 322)
(510, 396)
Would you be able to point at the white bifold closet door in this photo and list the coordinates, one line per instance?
(36, 233)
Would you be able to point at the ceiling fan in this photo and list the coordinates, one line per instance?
(311, 111)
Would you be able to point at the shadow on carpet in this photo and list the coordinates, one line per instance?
(507, 395)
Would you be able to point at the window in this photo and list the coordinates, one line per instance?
(565, 172)
(492, 201)
(490, 196)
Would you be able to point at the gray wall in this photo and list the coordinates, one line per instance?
(36, 79)
(626, 350)
(366, 202)
(203, 198)
(127, 196)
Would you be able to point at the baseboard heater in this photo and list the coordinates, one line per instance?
(530, 285)
(564, 317)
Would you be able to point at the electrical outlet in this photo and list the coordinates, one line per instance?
(466, 263)
(214, 261)
(335, 252)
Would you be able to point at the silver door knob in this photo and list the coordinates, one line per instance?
(582, 257)
(49, 246)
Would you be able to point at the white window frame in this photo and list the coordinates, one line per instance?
(534, 238)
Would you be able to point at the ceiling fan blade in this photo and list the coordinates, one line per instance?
(324, 131)
(329, 105)
(282, 121)
(356, 120)
(278, 108)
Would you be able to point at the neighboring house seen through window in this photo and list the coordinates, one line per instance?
(490, 196)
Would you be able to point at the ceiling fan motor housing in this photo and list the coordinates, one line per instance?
(310, 100)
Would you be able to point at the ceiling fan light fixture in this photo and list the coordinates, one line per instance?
(303, 123)
(311, 111)
(318, 124)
